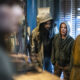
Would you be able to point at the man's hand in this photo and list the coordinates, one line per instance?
(34, 58)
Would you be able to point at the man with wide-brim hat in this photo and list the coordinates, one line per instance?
(41, 42)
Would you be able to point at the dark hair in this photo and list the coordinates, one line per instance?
(43, 24)
(61, 24)
(44, 33)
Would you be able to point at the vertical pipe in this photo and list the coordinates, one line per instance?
(31, 13)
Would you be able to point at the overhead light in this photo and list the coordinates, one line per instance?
(78, 29)
(78, 9)
(78, 17)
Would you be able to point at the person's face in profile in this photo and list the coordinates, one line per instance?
(48, 25)
(10, 17)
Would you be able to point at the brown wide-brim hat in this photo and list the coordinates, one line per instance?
(44, 18)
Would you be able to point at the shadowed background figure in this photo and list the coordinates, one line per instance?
(9, 20)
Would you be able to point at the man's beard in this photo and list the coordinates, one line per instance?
(44, 34)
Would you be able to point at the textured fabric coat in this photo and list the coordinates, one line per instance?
(62, 49)
(75, 60)
(36, 43)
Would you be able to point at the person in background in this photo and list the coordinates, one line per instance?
(61, 51)
(9, 19)
(41, 42)
(75, 60)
